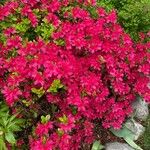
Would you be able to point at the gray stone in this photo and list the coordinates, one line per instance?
(118, 146)
(135, 127)
(141, 109)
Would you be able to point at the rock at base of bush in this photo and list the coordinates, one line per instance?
(141, 109)
(136, 128)
(118, 146)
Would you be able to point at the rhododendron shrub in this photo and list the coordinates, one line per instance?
(58, 59)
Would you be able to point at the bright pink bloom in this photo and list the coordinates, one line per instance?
(42, 129)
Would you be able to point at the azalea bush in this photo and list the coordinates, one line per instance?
(65, 64)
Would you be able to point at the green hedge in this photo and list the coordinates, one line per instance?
(134, 15)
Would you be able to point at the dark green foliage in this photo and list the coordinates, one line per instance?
(9, 124)
(2, 2)
(134, 15)
(107, 4)
(146, 136)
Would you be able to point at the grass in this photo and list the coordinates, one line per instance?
(144, 141)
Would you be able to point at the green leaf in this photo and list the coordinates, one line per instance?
(5, 121)
(14, 128)
(45, 119)
(12, 118)
(10, 137)
(55, 86)
(60, 132)
(22, 26)
(19, 121)
(45, 30)
(74, 110)
(8, 125)
(127, 135)
(132, 143)
(123, 132)
(26, 102)
(3, 107)
(59, 42)
(15, 125)
(2, 145)
(97, 146)
(53, 108)
(63, 119)
(38, 92)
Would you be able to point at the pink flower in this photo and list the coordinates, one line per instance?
(101, 12)
(77, 12)
(39, 145)
(54, 6)
(9, 31)
(112, 17)
(69, 125)
(144, 69)
(26, 10)
(53, 19)
(11, 95)
(42, 129)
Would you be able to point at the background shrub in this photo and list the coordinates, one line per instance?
(134, 15)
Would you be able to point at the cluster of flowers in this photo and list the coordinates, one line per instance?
(89, 68)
